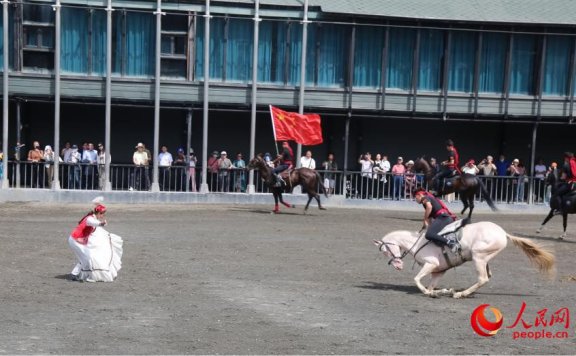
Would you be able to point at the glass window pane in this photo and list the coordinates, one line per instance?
(431, 54)
(175, 23)
(493, 62)
(333, 49)
(180, 44)
(173, 68)
(557, 65)
(166, 46)
(400, 58)
(272, 51)
(522, 68)
(462, 58)
(38, 13)
(368, 47)
(239, 50)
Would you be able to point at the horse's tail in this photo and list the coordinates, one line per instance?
(320, 183)
(539, 255)
(486, 195)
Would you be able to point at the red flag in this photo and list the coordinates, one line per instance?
(302, 128)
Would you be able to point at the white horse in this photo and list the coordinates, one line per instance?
(480, 243)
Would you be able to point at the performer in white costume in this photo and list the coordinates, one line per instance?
(99, 253)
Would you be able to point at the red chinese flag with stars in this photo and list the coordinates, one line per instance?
(302, 128)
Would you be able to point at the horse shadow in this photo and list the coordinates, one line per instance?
(388, 286)
(268, 212)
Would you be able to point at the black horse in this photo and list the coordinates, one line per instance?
(307, 178)
(567, 205)
(465, 185)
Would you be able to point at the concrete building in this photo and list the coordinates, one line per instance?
(394, 76)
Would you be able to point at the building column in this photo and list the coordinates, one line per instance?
(56, 181)
(204, 184)
(108, 107)
(5, 184)
(155, 186)
(251, 186)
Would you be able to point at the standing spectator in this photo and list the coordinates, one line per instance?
(470, 168)
(517, 171)
(65, 155)
(164, 163)
(488, 170)
(224, 167)
(239, 166)
(35, 155)
(502, 166)
(398, 178)
(1, 162)
(90, 160)
(49, 157)
(140, 160)
(539, 178)
(74, 171)
(213, 171)
(379, 176)
(179, 170)
(409, 179)
(268, 159)
(192, 160)
(367, 165)
(330, 166)
(307, 161)
(552, 177)
(103, 158)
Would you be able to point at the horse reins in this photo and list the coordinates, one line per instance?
(404, 254)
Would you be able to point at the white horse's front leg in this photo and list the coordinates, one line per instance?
(480, 262)
(434, 282)
(426, 270)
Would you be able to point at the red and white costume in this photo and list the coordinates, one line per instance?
(99, 253)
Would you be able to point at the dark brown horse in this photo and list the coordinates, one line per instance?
(307, 178)
(465, 185)
(565, 207)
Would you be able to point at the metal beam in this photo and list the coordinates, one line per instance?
(108, 106)
(302, 74)
(155, 185)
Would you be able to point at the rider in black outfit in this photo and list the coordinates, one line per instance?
(436, 217)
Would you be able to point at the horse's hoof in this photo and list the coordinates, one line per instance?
(562, 237)
(274, 211)
(539, 230)
(458, 295)
(322, 208)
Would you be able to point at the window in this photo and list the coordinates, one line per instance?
(174, 48)
(557, 65)
(462, 59)
(133, 43)
(38, 37)
(401, 58)
(431, 59)
(369, 44)
(523, 65)
(272, 52)
(492, 63)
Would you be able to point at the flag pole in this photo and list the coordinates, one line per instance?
(274, 130)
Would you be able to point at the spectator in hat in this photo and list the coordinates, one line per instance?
(517, 171)
(470, 168)
(239, 166)
(140, 175)
(224, 167)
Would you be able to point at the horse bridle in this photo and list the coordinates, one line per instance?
(404, 254)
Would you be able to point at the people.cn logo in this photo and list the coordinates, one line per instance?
(483, 326)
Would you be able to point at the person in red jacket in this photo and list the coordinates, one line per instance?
(285, 161)
(568, 180)
(98, 252)
(449, 167)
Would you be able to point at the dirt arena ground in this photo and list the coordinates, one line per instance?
(237, 280)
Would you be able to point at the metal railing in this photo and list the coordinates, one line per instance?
(352, 185)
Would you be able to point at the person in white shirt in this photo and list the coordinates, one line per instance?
(307, 161)
(470, 168)
(164, 162)
(140, 160)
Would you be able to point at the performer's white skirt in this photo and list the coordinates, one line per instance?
(99, 260)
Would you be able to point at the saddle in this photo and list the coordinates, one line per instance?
(453, 231)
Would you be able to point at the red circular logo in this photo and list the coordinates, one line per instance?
(483, 326)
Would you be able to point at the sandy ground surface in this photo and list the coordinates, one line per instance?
(234, 279)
